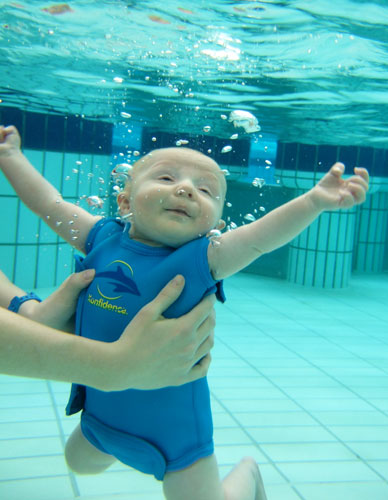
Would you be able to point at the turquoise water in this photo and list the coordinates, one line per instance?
(300, 372)
(313, 72)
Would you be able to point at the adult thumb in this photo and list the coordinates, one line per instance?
(71, 287)
(168, 295)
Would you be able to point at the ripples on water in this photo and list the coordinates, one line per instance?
(310, 71)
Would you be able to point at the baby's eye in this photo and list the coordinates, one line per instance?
(206, 191)
(165, 178)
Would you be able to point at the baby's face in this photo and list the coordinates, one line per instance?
(175, 196)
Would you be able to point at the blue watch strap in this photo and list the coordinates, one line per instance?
(16, 302)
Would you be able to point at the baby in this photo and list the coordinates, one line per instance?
(171, 201)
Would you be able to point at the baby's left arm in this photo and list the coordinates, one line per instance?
(68, 220)
(238, 248)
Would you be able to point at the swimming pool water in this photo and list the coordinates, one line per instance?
(300, 373)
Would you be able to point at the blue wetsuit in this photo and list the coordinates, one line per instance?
(158, 430)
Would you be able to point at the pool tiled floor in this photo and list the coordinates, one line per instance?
(299, 380)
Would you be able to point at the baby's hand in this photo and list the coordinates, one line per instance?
(9, 140)
(333, 192)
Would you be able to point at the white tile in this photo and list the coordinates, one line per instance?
(354, 490)
(285, 434)
(112, 482)
(307, 452)
(37, 489)
(30, 447)
(23, 468)
(327, 471)
(361, 433)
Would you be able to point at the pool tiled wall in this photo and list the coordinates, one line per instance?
(66, 151)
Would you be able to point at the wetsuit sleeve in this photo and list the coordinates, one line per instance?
(101, 230)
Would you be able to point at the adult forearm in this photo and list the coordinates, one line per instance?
(29, 349)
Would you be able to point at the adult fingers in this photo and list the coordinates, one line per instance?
(200, 369)
(167, 296)
(201, 312)
(76, 282)
(205, 347)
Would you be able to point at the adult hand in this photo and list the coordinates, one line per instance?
(162, 352)
(58, 309)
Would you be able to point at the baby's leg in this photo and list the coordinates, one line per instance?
(84, 458)
(201, 481)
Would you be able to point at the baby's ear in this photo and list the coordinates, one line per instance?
(123, 202)
(221, 224)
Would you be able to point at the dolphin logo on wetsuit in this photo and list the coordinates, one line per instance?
(121, 283)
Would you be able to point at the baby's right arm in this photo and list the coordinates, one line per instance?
(69, 221)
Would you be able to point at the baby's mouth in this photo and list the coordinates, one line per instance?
(179, 211)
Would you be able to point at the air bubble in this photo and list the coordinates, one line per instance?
(228, 204)
(125, 115)
(225, 171)
(233, 137)
(214, 235)
(207, 128)
(226, 149)
(244, 119)
(232, 226)
(95, 201)
(258, 182)
(249, 217)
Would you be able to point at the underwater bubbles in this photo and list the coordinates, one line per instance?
(244, 119)
(121, 172)
(258, 182)
(94, 201)
(214, 236)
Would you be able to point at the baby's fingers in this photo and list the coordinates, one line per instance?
(363, 173)
(357, 188)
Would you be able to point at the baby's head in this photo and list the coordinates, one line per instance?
(174, 195)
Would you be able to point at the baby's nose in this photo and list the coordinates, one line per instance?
(185, 191)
